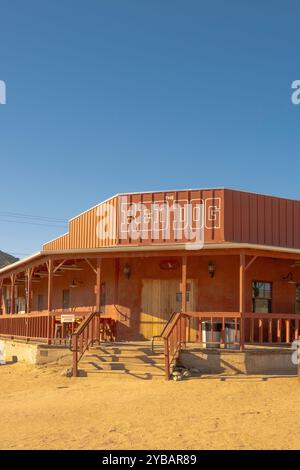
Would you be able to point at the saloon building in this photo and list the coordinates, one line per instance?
(156, 263)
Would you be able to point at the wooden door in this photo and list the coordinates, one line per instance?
(160, 298)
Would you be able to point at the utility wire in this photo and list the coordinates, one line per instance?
(31, 223)
(33, 217)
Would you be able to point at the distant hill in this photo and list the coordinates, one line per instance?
(6, 259)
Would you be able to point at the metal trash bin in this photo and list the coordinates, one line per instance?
(230, 335)
(217, 333)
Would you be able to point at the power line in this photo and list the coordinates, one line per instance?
(31, 223)
(33, 217)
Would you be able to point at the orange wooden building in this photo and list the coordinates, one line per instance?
(133, 261)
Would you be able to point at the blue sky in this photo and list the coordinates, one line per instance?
(129, 95)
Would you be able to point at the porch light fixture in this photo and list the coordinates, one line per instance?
(289, 278)
(73, 284)
(211, 269)
(127, 271)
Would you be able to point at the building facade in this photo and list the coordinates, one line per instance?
(138, 258)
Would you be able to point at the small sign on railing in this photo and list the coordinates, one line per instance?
(67, 318)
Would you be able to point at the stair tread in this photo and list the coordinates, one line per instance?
(125, 372)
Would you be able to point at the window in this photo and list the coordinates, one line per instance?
(66, 299)
(261, 297)
(298, 298)
(40, 303)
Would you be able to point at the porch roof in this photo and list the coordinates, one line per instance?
(160, 250)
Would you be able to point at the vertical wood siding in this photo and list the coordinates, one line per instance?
(238, 217)
(259, 219)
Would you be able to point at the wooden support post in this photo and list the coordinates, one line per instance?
(242, 296)
(50, 295)
(98, 285)
(1, 297)
(183, 283)
(12, 293)
(117, 275)
(29, 273)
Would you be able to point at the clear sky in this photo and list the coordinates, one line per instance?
(107, 96)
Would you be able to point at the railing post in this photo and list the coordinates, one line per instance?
(50, 290)
(183, 283)
(242, 302)
(167, 359)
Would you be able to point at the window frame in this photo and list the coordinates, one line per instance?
(269, 299)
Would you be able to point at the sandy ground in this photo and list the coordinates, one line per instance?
(40, 409)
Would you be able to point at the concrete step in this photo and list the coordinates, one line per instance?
(125, 358)
(128, 349)
(119, 365)
(120, 360)
(119, 374)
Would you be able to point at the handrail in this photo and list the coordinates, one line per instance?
(174, 338)
(89, 332)
(163, 331)
(86, 334)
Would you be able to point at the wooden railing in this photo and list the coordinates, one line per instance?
(174, 337)
(271, 328)
(27, 326)
(93, 329)
(211, 320)
(264, 329)
(40, 326)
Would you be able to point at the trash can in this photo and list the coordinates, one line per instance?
(206, 337)
(230, 335)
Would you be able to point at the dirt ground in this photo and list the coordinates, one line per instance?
(41, 409)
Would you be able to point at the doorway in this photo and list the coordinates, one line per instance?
(160, 298)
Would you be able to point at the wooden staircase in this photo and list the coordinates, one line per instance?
(127, 359)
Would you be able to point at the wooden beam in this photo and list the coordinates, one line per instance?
(1, 297)
(91, 266)
(50, 298)
(12, 293)
(29, 273)
(242, 299)
(117, 275)
(250, 262)
(59, 266)
(98, 284)
(183, 283)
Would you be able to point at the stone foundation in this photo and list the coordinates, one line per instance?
(229, 362)
(34, 353)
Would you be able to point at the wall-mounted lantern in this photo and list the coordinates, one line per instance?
(127, 271)
(289, 278)
(211, 269)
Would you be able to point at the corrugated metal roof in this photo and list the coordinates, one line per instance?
(6, 259)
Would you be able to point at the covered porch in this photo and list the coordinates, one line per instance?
(136, 293)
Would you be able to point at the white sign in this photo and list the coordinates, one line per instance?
(67, 318)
